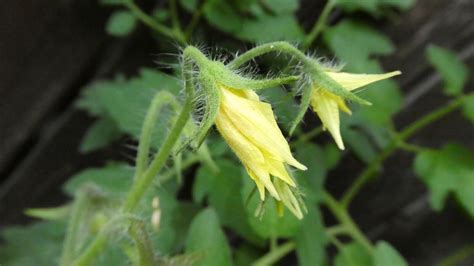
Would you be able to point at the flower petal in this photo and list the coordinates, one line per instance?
(328, 111)
(353, 81)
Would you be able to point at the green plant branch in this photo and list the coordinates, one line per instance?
(161, 98)
(143, 182)
(275, 255)
(407, 132)
(306, 136)
(70, 242)
(336, 230)
(143, 244)
(319, 25)
(341, 214)
(152, 23)
(174, 18)
(459, 256)
(194, 21)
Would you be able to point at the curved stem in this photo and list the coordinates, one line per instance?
(150, 22)
(345, 219)
(280, 47)
(407, 132)
(276, 254)
(319, 25)
(143, 182)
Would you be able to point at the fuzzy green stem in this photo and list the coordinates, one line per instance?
(141, 184)
(281, 47)
(70, 242)
(459, 256)
(143, 244)
(411, 129)
(150, 22)
(161, 98)
(276, 254)
(319, 25)
(340, 212)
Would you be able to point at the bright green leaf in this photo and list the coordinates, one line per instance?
(353, 254)
(38, 244)
(311, 240)
(114, 178)
(268, 28)
(374, 7)
(208, 241)
(222, 190)
(222, 15)
(453, 71)
(121, 23)
(269, 224)
(445, 171)
(281, 6)
(386, 255)
(99, 135)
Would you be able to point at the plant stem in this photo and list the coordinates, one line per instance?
(150, 22)
(70, 242)
(308, 135)
(194, 21)
(281, 47)
(275, 255)
(407, 132)
(142, 183)
(319, 25)
(459, 256)
(345, 219)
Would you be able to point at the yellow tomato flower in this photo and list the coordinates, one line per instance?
(249, 127)
(327, 105)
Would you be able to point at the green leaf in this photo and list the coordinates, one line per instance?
(268, 28)
(126, 102)
(224, 196)
(121, 23)
(112, 2)
(207, 239)
(269, 224)
(319, 161)
(222, 15)
(311, 240)
(360, 144)
(284, 105)
(189, 5)
(246, 254)
(386, 255)
(445, 171)
(102, 133)
(468, 108)
(38, 244)
(375, 7)
(281, 6)
(453, 71)
(365, 42)
(353, 254)
(114, 178)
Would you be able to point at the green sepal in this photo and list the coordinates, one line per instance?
(232, 80)
(138, 233)
(304, 104)
(323, 81)
(213, 99)
(50, 214)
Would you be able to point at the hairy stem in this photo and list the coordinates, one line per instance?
(319, 25)
(407, 132)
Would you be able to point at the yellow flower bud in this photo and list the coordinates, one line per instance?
(249, 127)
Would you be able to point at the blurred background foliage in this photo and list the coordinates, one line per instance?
(207, 217)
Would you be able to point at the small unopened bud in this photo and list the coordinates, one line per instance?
(155, 219)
